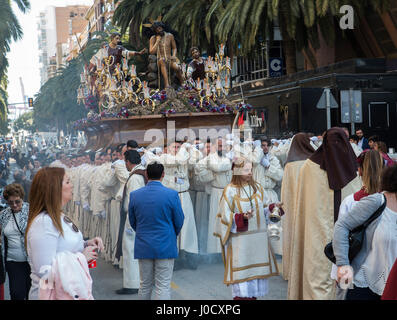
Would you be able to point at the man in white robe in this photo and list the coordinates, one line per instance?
(136, 180)
(202, 178)
(121, 174)
(221, 168)
(176, 177)
(268, 172)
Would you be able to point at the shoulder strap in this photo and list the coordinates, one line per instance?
(13, 215)
(374, 216)
(141, 173)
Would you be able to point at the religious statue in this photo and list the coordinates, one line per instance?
(163, 45)
(113, 51)
(196, 68)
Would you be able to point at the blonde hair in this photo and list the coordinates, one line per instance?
(237, 180)
(372, 171)
(46, 195)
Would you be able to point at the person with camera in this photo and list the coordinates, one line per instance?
(369, 269)
(52, 238)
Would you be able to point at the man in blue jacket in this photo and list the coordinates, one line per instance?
(156, 215)
(362, 141)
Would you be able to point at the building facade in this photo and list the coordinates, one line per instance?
(56, 25)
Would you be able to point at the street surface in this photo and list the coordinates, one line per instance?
(205, 283)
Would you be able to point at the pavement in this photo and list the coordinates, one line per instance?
(204, 283)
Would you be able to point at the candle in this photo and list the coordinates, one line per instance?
(133, 71)
(146, 90)
(218, 83)
(228, 63)
(125, 64)
(98, 63)
(221, 50)
(198, 84)
(113, 84)
(184, 68)
(82, 77)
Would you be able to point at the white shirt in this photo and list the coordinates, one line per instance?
(15, 242)
(375, 270)
(44, 241)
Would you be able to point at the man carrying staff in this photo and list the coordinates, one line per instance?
(163, 45)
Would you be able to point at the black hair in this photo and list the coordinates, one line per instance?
(92, 156)
(374, 138)
(132, 156)
(354, 137)
(132, 144)
(154, 171)
(120, 147)
(194, 48)
(114, 35)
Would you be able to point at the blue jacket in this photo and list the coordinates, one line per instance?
(365, 145)
(156, 215)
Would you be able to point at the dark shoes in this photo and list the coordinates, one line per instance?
(127, 291)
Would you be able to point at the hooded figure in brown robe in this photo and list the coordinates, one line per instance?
(299, 151)
(325, 179)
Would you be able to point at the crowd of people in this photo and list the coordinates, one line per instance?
(150, 211)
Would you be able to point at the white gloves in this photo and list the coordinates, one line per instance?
(230, 155)
(257, 143)
(265, 162)
(142, 149)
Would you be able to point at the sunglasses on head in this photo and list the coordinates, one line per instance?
(14, 202)
(67, 220)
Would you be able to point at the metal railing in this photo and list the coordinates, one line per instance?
(249, 68)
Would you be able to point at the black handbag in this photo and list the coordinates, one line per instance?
(356, 237)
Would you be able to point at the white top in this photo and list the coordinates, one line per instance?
(375, 270)
(44, 241)
(15, 241)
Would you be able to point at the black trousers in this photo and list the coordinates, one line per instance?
(361, 294)
(19, 279)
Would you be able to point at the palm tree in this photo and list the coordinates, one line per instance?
(129, 15)
(300, 22)
(10, 29)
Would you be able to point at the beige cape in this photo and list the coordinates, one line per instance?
(309, 277)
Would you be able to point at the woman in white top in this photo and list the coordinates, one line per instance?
(13, 224)
(373, 263)
(49, 231)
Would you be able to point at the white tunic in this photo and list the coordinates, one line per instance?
(176, 177)
(247, 266)
(131, 278)
(222, 173)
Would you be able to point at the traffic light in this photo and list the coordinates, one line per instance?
(30, 101)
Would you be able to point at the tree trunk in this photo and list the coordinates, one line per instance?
(134, 38)
(289, 49)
